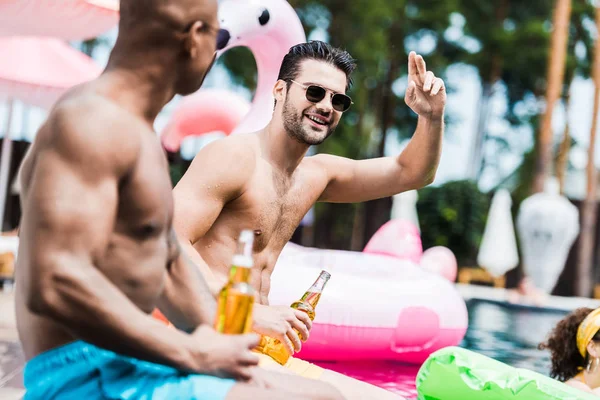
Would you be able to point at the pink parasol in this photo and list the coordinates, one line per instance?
(65, 19)
(37, 71)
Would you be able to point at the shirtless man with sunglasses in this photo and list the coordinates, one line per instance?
(263, 181)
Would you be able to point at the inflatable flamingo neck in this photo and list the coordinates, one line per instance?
(262, 105)
(268, 28)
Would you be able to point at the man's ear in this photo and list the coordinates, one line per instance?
(193, 40)
(279, 90)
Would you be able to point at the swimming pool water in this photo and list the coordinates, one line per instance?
(511, 335)
(505, 333)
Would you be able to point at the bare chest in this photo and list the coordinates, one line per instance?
(274, 209)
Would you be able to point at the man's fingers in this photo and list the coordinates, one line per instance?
(429, 78)
(302, 316)
(302, 329)
(251, 340)
(294, 339)
(421, 67)
(410, 92)
(438, 85)
(285, 340)
(248, 358)
(412, 65)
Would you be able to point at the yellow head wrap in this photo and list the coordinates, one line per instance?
(587, 329)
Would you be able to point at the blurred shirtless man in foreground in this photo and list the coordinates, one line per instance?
(98, 252)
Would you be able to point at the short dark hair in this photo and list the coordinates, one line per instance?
(316, 50)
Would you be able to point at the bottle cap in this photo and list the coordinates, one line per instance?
(243, 256)
(243, 261)
(246, 235)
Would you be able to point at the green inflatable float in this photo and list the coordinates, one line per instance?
(454, 373)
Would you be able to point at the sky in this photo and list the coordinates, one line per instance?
(458, 142)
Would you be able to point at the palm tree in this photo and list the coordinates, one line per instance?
(556, 69)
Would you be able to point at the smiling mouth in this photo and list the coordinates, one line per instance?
(316, 120)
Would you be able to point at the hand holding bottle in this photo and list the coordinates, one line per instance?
(281, 351)
(227, 356)
(290, 326)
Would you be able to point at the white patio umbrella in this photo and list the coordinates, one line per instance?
(64, 19)
(37, 71)
(498, 252)
(548, 224)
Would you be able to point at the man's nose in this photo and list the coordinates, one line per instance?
(325, 105)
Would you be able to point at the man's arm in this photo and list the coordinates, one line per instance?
(187, 300)
(218, 174)
(71, 209)
(355, 181)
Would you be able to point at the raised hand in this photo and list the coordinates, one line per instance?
(279, 322)
(426, 94)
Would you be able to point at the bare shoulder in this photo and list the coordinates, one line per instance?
(318, 169)
(323, 159)
(325, 163)
(234, 155)
(88, 127)
(221, 169)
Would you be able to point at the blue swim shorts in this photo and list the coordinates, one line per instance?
(81, 371)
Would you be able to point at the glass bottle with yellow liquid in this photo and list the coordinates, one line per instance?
(307, 303)
(236, 299)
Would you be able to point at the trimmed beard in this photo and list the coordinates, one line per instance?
(295, 128)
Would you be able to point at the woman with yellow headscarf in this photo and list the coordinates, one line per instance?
(574, 346)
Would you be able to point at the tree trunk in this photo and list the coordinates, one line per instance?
(584, 278)
(556, 69)
(565, 147)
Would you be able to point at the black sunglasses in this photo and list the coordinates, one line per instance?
(314, 94)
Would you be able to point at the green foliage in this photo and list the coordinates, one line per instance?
(176, 171)
(505, 40)
(380, 34)
(453, 215)
(239, 61)
(333, 225)
(90, 45)
(516, 36)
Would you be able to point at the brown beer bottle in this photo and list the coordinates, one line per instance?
(307, 303)
(236, 299)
